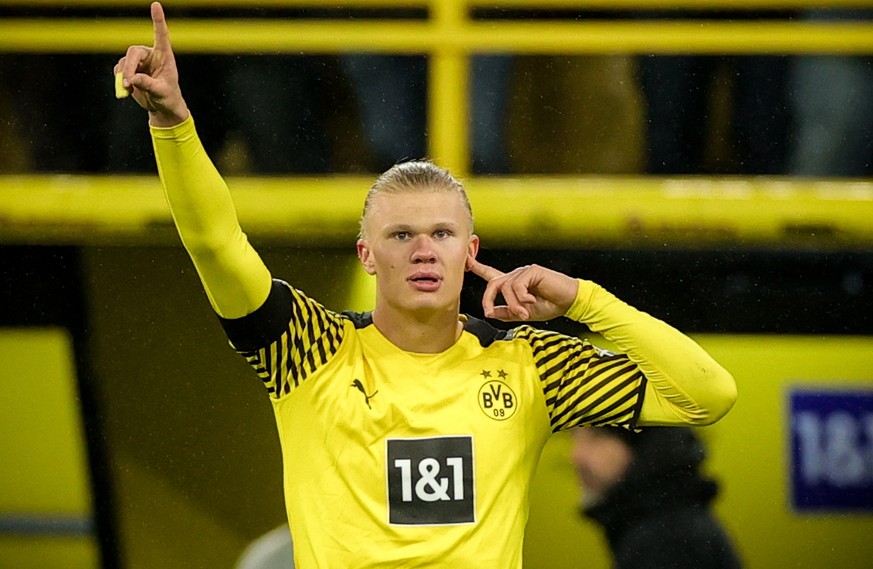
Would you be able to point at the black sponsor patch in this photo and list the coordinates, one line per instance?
(431, 481)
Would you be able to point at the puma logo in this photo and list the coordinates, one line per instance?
(360, 387)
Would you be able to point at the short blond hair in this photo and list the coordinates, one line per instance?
(415, 176)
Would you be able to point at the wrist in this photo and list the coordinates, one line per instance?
(168, 119)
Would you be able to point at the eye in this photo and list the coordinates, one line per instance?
(442, 234)
(401, 235)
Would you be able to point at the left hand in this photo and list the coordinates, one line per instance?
(531, 292)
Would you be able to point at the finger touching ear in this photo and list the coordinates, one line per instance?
(482, 270)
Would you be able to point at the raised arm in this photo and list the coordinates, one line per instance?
(235, 279)
(685, 384)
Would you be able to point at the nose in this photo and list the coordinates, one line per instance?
(423, 250)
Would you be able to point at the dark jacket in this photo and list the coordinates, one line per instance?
(659, 516)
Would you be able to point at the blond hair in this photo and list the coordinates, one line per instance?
(415, 176)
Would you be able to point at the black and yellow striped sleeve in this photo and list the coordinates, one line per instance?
(582, 384)
(287, 339)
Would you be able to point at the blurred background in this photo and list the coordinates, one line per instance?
(710, 162)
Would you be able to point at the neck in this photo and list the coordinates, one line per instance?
(429, 333)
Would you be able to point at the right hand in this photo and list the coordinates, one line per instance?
(151, 75)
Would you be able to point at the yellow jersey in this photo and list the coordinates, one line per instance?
(399, 459)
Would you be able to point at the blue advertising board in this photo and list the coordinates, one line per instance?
(831, 449)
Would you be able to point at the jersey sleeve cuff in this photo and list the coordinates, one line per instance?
(582, 302)
(182, 130)
(264, 325)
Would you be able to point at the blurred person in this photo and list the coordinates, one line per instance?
(830, 100)
(679, 92)
(410, 433)
(293, 88)
(391, 92)
(646, 491)
(392, 96)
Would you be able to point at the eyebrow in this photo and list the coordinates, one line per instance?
(394, 227)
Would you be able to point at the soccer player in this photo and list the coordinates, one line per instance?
(410, 434)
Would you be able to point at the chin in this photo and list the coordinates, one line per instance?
(431, 303)
(429, 307)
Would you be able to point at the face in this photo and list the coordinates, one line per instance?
(600, 460)
(417, 244)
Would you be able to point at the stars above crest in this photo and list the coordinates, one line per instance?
(486, 374)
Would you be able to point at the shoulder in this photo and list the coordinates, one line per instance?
(358, 319)
(488, 335)
(485, 332)
(286, 308)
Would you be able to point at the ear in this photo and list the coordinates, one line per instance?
(366, 257)
(472, 249)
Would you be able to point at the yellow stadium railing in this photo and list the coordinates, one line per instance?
(536, 211)
(448, 33)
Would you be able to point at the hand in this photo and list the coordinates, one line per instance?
(152, 75)
(531, 292)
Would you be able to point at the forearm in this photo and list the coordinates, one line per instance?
(235, 279)
(685, 384)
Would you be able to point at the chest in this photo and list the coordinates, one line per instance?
(488, 392)
(439, 434)
(367, 395)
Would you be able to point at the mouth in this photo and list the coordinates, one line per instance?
(425, 281)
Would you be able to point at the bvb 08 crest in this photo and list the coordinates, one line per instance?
(497, 400)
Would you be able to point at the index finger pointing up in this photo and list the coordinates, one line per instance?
(482, 270)
(162, 32)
